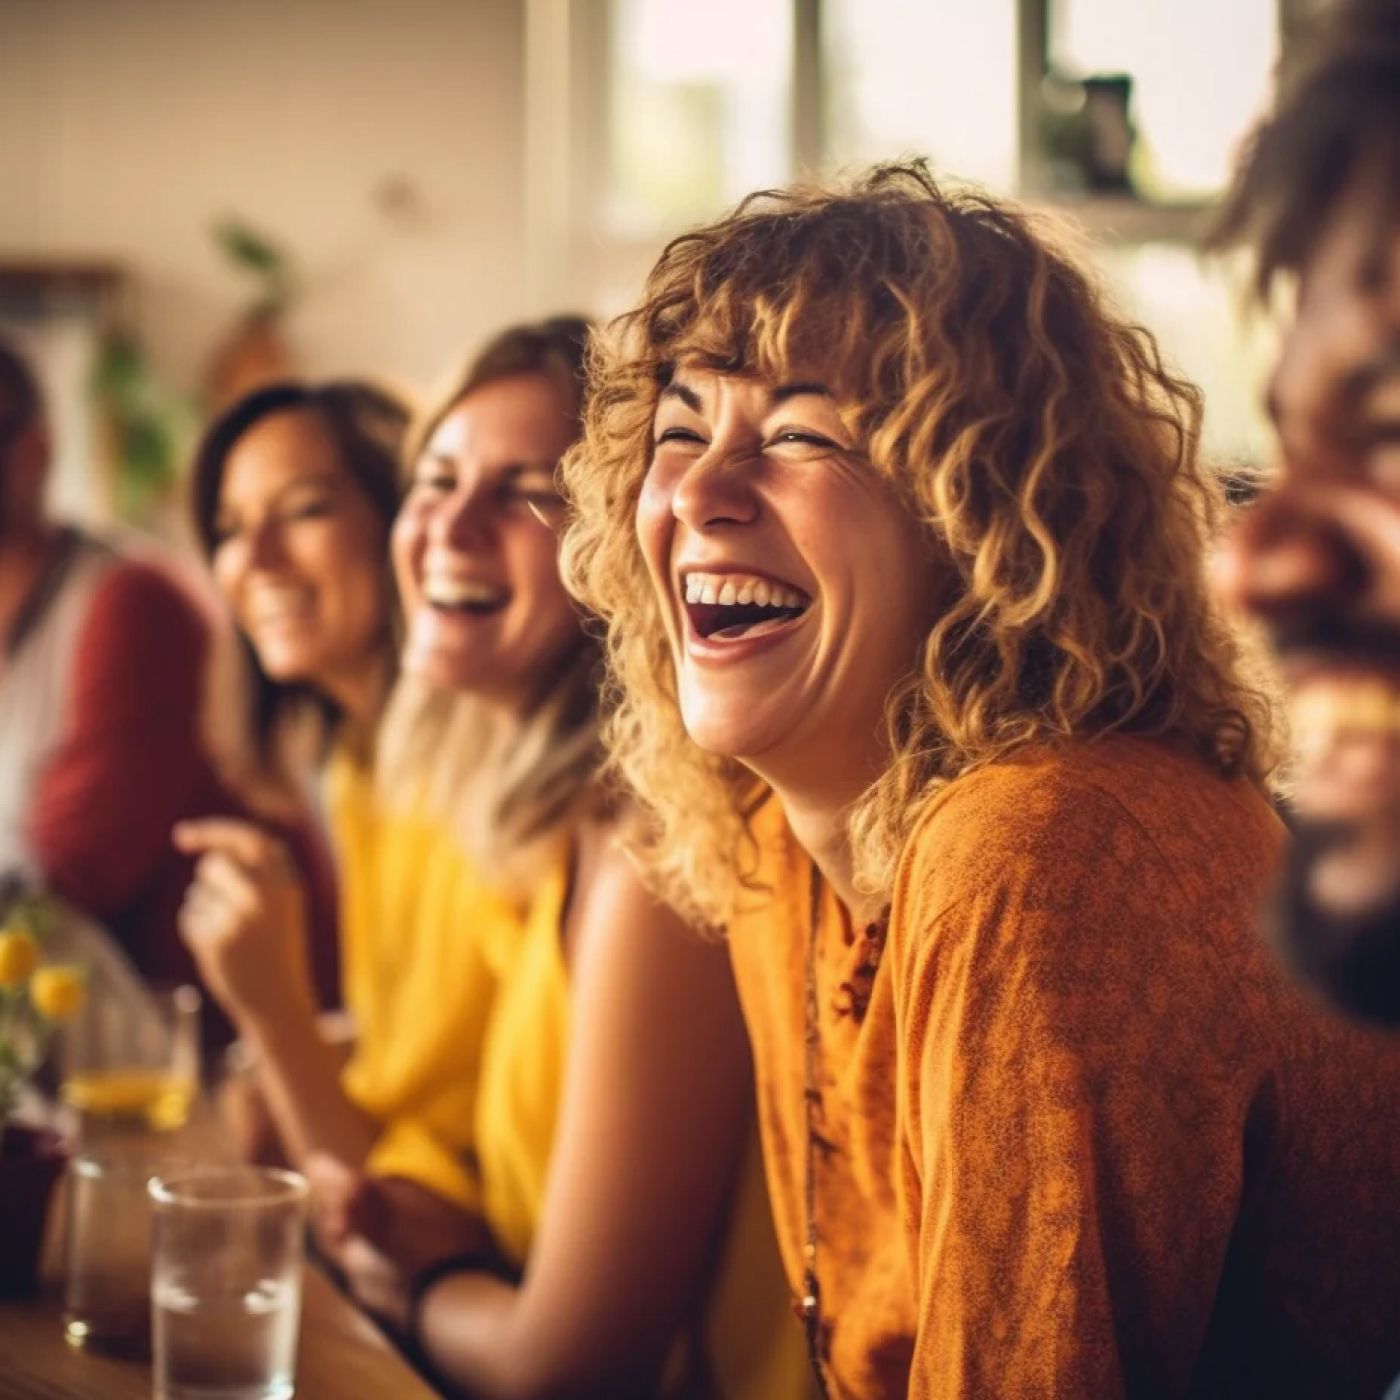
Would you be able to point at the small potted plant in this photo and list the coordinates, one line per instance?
(33, 999)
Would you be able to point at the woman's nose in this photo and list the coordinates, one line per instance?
(715, 488)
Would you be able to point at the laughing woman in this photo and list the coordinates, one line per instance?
(295, 489)
(627, 1245)
(898, 534)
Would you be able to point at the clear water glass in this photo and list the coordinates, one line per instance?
(107, 1266)
(228, 1249)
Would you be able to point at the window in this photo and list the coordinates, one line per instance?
(697, 104)
(699, 109)
(1201, 73)
(936, 78)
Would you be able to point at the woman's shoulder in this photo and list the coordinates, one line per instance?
(1059, 814)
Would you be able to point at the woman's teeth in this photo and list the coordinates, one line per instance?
(273, 606)
(462, 593)
(730, 606)
(729, 590)
(1325, 712)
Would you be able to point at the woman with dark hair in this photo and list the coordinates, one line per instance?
(294, 491)
(899, 534)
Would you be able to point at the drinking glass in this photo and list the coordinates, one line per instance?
(107, 1273)
(133, 1066)
(228, 1247)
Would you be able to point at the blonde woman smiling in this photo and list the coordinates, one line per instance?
(898, 534)
(621, 1208)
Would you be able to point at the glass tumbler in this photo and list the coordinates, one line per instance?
(133, 1066)
(228, 1248)
(107, 1270)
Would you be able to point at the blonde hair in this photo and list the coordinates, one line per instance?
(1041, 440)
(511, 789)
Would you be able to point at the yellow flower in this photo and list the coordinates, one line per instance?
(57, 992)
(19, 956)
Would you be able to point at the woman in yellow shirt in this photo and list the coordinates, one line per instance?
(627, 1246)
(294, 491)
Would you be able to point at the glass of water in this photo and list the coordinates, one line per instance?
(228, 1247)
(107, 1278)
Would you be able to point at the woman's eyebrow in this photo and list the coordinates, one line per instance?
(511, 470)
(784, 392)
(676, 390)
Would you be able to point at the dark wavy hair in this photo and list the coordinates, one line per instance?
(1335, 122)
(367, 425)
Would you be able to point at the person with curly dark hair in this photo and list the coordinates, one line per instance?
(1317, 560)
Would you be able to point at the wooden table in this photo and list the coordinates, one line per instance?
(341, 1356)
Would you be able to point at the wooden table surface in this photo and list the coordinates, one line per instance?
(341, 1356)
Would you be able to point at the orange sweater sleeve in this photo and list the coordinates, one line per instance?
(1076, 1089)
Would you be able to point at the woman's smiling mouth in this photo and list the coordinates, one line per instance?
(446, 593)
(732, 607)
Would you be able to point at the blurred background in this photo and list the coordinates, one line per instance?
(198, 194)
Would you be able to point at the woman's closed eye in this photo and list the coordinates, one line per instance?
(677, 434)
(433, 482)
(531, 492)
(803, 436)
(307, 508)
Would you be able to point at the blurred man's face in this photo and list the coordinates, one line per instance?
(1317, 561)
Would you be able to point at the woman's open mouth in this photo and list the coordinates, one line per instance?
(740, 607)
(463, 596)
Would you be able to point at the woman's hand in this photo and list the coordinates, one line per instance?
(383, 1231)
(244, 919)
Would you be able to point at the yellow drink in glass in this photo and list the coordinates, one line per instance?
(121, 1097)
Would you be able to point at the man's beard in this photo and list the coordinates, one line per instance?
(1351, 958)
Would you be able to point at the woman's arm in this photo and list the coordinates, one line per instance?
(654, 1111)
(245, 922)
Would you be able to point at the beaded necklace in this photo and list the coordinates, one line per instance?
(856, 993)
(812, 1093)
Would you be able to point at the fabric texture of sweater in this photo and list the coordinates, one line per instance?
(1077, 1134)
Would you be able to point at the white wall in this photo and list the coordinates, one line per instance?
(128, 126)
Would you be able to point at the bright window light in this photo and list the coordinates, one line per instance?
(1201, 70)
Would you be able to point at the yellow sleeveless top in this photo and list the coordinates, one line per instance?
(746, 1344)
(414, 922)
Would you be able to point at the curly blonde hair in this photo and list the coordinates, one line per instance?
(1049, 452)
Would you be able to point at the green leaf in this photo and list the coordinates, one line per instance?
(248, 248)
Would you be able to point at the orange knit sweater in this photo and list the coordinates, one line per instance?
(1081, 1136)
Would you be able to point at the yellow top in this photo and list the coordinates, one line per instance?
(462, 1002)
(413, 925)
(746, 1342)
